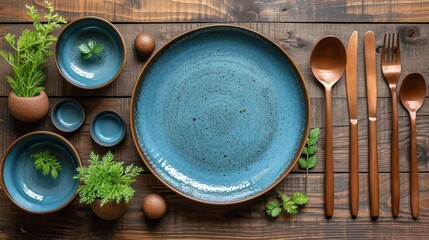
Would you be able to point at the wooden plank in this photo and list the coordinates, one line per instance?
(10, 129)
(230, 10)
(297, 39)
(188, 219)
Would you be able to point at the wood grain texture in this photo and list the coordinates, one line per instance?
(186, 219)
(297, 39)
(294, 25)
(229, 10)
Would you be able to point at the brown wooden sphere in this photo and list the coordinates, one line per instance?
(144, 44)
(154, 206)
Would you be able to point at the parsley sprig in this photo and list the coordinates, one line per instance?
(287, 204)
(92, 48)
(47, 162)
(308, 159)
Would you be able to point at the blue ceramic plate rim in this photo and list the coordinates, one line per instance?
(15, 143)
(59, 104)
(122, 45)
(94, 136)
(150, 63)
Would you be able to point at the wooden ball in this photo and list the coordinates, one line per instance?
(154, 206)
(144, 44)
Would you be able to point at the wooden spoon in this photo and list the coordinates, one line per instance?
(328, 62)
(412, 94)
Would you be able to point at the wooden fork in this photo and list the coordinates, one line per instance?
(391, 68)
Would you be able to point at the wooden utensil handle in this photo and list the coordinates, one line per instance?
(414, 172)
(329, 162)
(395, 156)
(354, 169)
(373, 170)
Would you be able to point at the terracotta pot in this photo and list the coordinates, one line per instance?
(110, 210)
(28, 109)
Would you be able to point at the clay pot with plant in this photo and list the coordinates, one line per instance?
(28, 101)
(106, 185)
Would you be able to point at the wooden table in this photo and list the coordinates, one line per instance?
(296, 26)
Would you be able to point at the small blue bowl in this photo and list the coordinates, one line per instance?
(68, 115)
(26, 186)
(97, 71)
(107, 128)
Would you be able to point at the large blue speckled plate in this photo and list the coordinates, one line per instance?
(220, 114)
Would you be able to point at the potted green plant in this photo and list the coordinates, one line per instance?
(28, 101)
(106, 185)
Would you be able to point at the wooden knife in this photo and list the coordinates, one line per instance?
(351, 87)
(371, 90)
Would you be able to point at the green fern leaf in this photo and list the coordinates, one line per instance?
(47, 162)
(106, 179)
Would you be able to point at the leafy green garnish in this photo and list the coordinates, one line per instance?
(92, 48)
(274, 208)
(47, 162)
(31, 52)
(308, 159)
(300, 198)
(286, 204)
(106, 180)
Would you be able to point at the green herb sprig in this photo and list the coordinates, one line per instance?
(92, 48)
(47, 162)
(308, 159)
(31, 52)
(287, 204)
(106, 179)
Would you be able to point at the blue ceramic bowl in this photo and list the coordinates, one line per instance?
(220, 114)
(68, 115)
(95, 72)
(107, 128)
(26, 186)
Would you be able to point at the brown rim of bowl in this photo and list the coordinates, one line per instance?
(120, 37)
(3, 185)
(149, 62)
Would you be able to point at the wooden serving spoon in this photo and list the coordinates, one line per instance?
(328, 62)
(412, 94)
